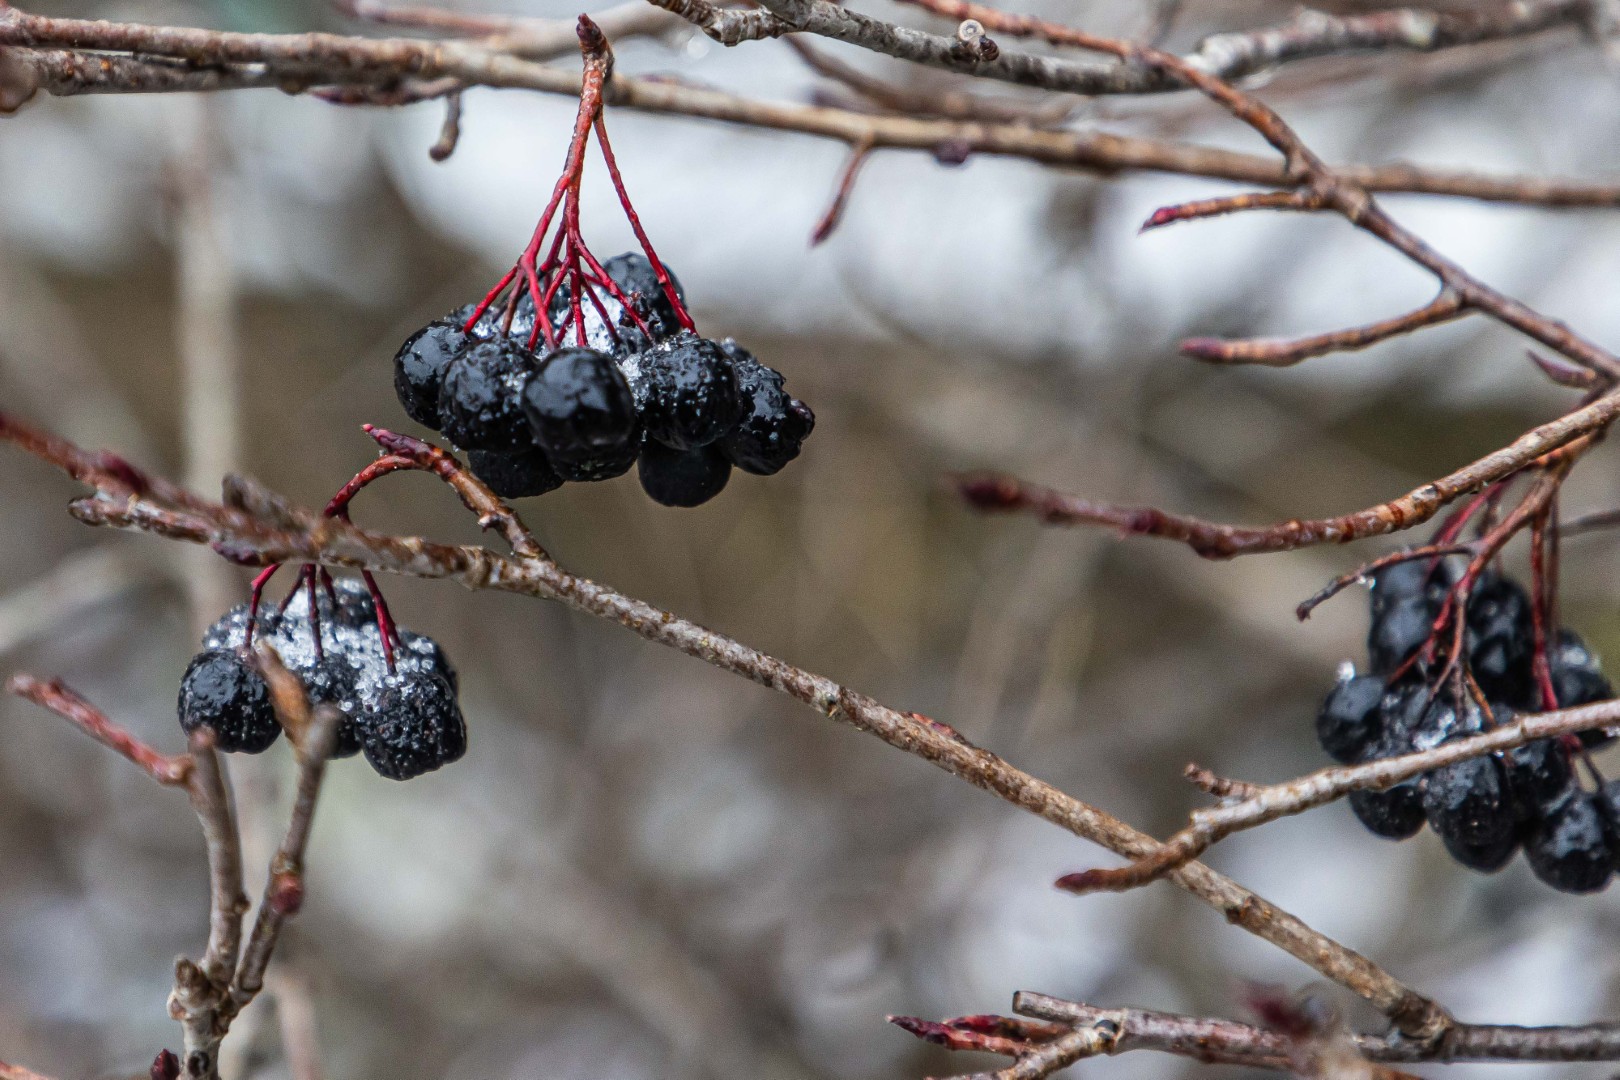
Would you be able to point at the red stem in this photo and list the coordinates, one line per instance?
(681, 313)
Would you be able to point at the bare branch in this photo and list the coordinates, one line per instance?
(1213, 540)
(450, 131)
(1285, 352)
(314, 734)
(1304, 201)
(846, 185)
(301, 61)
(1265, 804)
(17, 1072)
(1237, 1043)
(339, 543)
(64, 702)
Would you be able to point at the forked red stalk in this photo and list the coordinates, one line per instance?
(568, 261)
(311, 577)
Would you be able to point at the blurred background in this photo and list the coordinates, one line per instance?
(644, 867)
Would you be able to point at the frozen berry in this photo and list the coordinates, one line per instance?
(1409, 579)
(1498, 620)
(687, 392)
(415, 728)
(604, 466)
(580, 409)
(1394, 814)
(1577, 677)
(1538, 772)
(690, 392)
(420, 651)
(1567, 848)
(479, 405)
(683, 477)
(608, 327)
(637, 279)
(1608, 804)
(773, 426)
(489, 326)
(330, 681)
(224, 691)
(419, 368)
(518, 475)
(1349, 720)
(355, 606)
(1467, 805)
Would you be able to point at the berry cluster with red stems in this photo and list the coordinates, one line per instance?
(1453, 652)
(573, 369)
(395, 689)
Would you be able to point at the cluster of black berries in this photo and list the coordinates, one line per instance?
(635, 387)
(1485, 808)
(404, 716)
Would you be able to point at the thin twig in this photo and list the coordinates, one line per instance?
(450, 131)
(1285, 352)
(284, 890)
(60, 699)
(846, 185)
(17, 1072)
(1213, 540)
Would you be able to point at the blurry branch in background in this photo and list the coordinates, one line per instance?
(209, 993)
(67, 56)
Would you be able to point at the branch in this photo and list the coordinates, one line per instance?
(1212, 540)
(1303, 166)
(1285, 352)
(1226, 57)
(66, 703)
(1237, 1043)
(335, 542)
(314, 735)
(1260, 805)
(296, 62)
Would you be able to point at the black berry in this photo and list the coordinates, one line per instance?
(1467, 805)
(1498, 622)
(1607, 798)
(580, 409)
(416, 727)
(1567, 849)
(518, 475)
(603, 466)
(479, 405)
(331, 681)
(635, 277)
(773, 426)
(1395, 814)
(1349, 720)
(223, 690)
(420, 652)
(683, 477)
(1538, 772)
(690, 393)
(419, 368)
